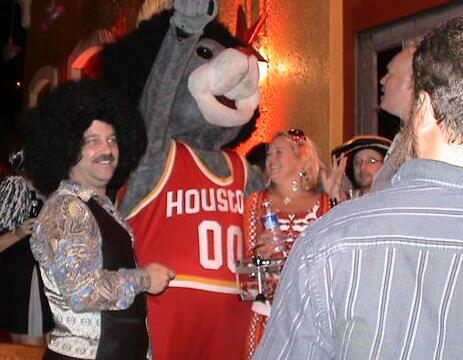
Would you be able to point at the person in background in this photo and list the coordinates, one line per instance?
(294, 167)
(256, 156)
(397, 86)
(80, 138)
(380, 277)
(25, 312)
(365, 155)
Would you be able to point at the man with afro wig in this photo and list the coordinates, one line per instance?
(78, 141)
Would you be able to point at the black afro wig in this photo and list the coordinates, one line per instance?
(53, 132)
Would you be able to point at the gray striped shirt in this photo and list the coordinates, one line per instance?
(378, 277)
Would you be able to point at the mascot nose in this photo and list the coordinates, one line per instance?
(230, 75)
(249, 81)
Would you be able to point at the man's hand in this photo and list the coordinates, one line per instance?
(267, 246)
(160, 277)
(191, 16)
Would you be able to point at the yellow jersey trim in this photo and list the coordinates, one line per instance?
(223, 181)
(160, 184)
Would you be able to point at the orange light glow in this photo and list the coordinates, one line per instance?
(273, 75)
(272, 115)
(282, 68)
(263, 71)
(263, 66)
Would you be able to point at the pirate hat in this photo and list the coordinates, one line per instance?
(358, 143)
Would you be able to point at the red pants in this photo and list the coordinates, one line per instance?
(188, 324)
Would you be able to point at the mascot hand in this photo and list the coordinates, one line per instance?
(192, 16)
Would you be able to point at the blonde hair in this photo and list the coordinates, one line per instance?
(308, 152)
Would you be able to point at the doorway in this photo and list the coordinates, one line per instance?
(376, 47)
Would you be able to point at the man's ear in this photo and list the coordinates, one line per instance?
(424, 117)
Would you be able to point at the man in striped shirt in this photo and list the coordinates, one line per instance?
(380, 276)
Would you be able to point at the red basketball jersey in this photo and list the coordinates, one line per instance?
(192, 221)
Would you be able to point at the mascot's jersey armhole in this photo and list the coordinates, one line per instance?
(222, 181)
(159, 185)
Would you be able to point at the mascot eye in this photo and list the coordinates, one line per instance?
(204, 52)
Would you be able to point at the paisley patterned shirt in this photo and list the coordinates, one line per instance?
(67, 244)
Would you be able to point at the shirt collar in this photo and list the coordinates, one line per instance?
(82, 191)
(431, 171)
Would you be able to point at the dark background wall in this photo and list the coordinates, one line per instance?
(11, 73)
(53, 45)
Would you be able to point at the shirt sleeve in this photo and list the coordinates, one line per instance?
(295, 329)
(67, 244)
(14, 202)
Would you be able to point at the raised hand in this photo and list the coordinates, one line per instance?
(267, 246)
(332, 181)
(192, 16)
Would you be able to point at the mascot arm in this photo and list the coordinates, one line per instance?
(191, 16)
(158, 99)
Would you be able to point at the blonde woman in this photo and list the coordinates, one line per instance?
(296, 176)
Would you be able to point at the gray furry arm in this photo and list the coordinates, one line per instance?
(156, 106)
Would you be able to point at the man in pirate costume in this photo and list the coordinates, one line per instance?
(365, 156)
(84, 248)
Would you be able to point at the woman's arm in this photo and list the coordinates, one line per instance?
(7, 239)
(10, 238)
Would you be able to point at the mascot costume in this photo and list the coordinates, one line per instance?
(185, 200)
